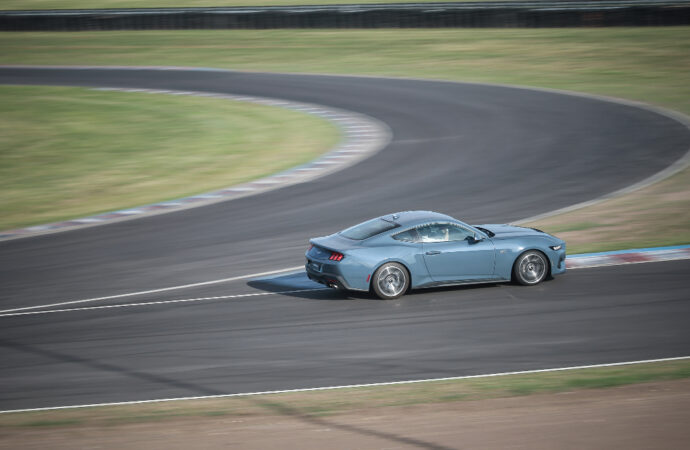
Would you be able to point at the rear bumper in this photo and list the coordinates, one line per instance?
(328, 274)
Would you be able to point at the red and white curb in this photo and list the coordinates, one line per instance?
(362, 136)
(634, 256)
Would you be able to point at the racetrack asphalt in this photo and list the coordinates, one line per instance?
(480, 153)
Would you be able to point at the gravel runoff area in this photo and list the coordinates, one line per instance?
(641, 416)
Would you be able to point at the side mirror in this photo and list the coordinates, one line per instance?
(475, 238)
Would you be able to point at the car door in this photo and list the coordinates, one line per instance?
(451, 254)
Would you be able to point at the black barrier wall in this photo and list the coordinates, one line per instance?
(535, 14)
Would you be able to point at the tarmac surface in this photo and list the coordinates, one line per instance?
(480, 153)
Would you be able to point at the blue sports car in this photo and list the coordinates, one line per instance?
(417, 249)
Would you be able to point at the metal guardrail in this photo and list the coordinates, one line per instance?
(532, 14)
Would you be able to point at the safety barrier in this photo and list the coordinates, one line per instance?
(534, 14)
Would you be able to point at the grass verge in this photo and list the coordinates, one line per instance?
(656, 216)
(344, 400)
(645, 64)
(71, 152)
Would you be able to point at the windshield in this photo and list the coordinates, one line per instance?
(488, 232)
(368, 229)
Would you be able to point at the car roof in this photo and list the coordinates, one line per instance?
(412, 218)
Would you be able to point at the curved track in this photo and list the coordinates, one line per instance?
(481, 153)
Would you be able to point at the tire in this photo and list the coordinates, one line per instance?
(390, 281)
(531, 268)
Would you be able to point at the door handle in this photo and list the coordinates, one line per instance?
(433, 252)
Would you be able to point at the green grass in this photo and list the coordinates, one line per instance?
(80, 4)
(69, 152)
(327, 402)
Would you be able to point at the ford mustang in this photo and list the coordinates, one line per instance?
(392, 254)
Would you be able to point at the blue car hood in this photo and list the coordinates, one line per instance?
(510, 231)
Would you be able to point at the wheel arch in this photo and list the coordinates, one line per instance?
(393, 260)
(531, 249)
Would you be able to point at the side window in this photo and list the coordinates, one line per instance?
(407, 236)
(443, 232)
(432, 233)
(457, 233)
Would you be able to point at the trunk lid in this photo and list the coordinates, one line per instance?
(335, 242)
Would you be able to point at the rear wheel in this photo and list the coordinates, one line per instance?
(531, 268)
(390, 281)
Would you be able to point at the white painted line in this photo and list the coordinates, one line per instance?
(160, 302)
(282, 274)
(153, 291)
(350, 386)
(286, 271)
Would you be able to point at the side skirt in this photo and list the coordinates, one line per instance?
(435, 284)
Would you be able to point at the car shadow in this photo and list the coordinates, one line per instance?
(456, 288)
(298, 285)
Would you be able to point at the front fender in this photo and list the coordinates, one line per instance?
(508, 252)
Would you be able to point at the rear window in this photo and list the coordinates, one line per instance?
(368, 229)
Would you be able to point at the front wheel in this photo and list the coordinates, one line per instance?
(390, 281)
(530, 268)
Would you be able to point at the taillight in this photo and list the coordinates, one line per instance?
(310, 247)
(335, 256)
